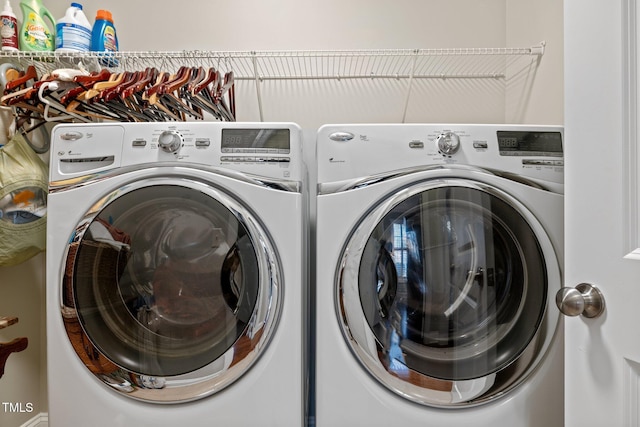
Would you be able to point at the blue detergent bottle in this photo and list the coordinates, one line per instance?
(104, 37)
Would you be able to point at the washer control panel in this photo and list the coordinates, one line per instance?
(264, 149)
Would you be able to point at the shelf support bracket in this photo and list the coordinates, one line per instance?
(538, 50)
(254, 60)
(410, 84)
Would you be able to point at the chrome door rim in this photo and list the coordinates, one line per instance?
(229, 367)
(363, 343)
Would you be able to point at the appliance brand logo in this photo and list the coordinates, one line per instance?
(71, 136)
(334, 160)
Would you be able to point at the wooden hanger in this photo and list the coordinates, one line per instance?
(171, 95)
(128, 78)
(30, 74)
(201, 93)
(6, 349)
(14, 346)
(114, 79)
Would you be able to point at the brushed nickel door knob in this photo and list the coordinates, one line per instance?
(584, 299)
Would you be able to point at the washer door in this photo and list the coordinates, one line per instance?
(171, 290)
(443, 290)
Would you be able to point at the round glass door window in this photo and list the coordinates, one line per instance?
(166, 280)
(452, 284)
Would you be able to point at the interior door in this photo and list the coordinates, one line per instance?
(602, 357)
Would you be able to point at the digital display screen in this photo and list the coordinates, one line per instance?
(255, 141)
(518, 143)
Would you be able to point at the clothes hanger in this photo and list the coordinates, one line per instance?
(24, 112)
(230, 81)
(132, 97)
(160, 79)
(111, 98)
(25, 97)
(14, 97)
(114, 98)
(60, 112)
(171, 95)
(162, 98)
(178, 79)
(202, 94)
(90, 112)
(152, 104)
(220, 93)
(87, 80)
(29, 74)
(68, 74)
(114, 79)
(83, 84)
(198, 75)
(90, 109)
(148, 95)
(128, 78)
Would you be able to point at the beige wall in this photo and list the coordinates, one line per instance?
(305, 24)
(331, 25)
(538, 100)
(22, 294)
(525, 97)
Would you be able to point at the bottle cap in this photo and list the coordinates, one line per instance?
(104, 14)
(78, 5)
(7, 7)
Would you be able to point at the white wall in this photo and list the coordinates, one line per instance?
(163, 25)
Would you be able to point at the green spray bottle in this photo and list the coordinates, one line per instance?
(34, 35)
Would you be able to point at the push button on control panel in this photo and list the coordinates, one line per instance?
(478, 145)
(139, 142)
(252, 159)
(534, 162)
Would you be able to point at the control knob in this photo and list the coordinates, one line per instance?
(170, 141)
(448, 143)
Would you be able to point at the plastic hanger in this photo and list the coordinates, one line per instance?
(50, 103)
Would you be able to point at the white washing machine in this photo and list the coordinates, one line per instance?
(176, 275)
(439, 253)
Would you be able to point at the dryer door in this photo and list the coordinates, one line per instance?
(171, 289)
(443, 292)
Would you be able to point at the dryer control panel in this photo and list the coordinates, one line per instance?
(347, 152)
(270, 150)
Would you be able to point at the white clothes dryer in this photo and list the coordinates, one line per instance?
(439, 251)
(175, 275)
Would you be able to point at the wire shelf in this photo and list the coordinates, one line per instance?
(254, 68)
(463, 63)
